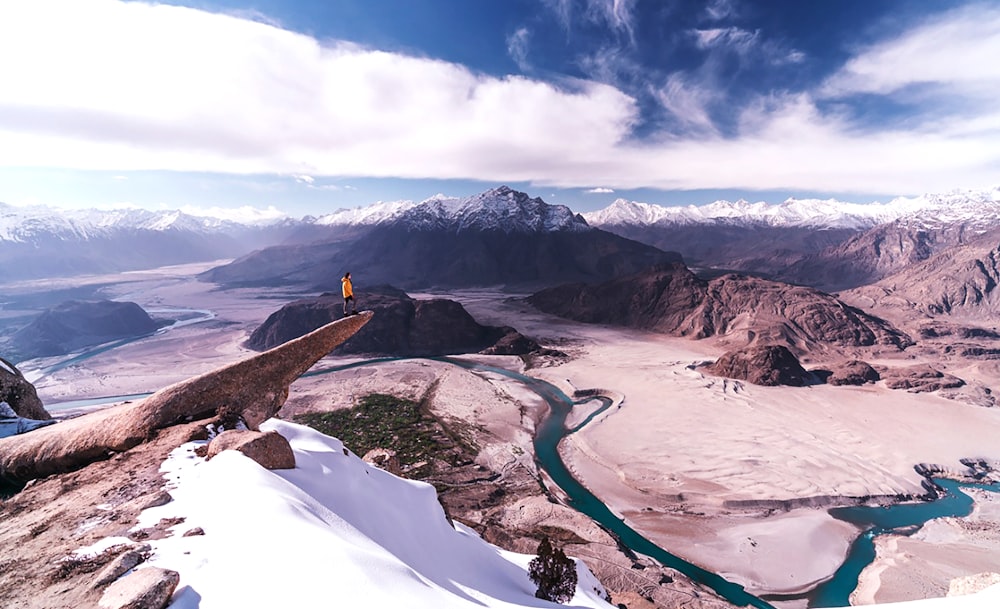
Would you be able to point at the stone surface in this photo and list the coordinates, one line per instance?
(122, 564)
(853, 372)
(383, 458)
(270, 449)
(149, 588)
(20, 394)
(402, 326)
(761, 365)
(921, 378)
(257, 386)
(745, 310)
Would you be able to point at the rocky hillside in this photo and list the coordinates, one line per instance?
(744, 310)
(960, 281)
(500, 237)
(768, 365)
(401, 326)
(76, 324)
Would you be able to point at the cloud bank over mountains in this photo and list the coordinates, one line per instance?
(107, 85)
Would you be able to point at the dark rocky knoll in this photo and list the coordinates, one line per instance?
(921, 378)
(20, 394)
(768, 365)
(75, 324)
(672, 300)
(960, 281)
(853, 372)
(402, 326)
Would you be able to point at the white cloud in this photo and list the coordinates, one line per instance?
(304, 179)
(717, 10)
(618, 15)
(960, 50)
(131, 86)
(245, 214)
(517, 48)
(599, 191)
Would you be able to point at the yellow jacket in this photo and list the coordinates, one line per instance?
(347, 287)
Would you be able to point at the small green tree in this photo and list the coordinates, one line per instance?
(554, 573)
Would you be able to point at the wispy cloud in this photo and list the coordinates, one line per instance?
(599, 191)
(717, 10)
(245, 214)
(959, 50)
(617, 15)
(517, 48)
(214, 93)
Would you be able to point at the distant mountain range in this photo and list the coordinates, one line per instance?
(500, 237)
(38, 242)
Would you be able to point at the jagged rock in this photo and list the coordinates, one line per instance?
(854, 372)
(195, 532)
(75, 324)
(271, 450)
(383, 458)
(257, 386)
(402, 326)
(20, 394)
(672, 300)
(921, 378)
(761, 365)
(126, 561)
(149, 588)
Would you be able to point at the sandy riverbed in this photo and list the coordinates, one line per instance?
(682, 459)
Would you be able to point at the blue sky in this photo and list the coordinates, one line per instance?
(309, 105)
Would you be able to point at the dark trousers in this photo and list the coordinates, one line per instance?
(349, 299)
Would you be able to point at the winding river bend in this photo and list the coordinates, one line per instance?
(552, 429)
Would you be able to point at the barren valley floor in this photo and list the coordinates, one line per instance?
(733, 477)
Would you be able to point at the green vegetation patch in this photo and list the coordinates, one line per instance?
(386, 421)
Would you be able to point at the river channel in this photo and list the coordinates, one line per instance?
(552, 429)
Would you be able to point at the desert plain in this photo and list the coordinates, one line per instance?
(734, 477)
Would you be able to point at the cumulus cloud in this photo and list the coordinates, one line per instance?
(132, 86)
(599, 191)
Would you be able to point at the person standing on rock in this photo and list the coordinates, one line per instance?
(348, 290)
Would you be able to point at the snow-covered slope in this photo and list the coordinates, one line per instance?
(978, 207)
(334, 531)
(501, 209)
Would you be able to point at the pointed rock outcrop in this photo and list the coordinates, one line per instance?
(256, 387)
(20, 394)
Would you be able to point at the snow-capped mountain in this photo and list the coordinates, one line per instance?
(498, 237)
(38, 242)
(501, 209)
(979, 207)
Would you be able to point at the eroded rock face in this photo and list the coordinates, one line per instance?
(754, 311)
(767, 365)
(402, 326)
(854, 372)
(20, 394)
(256, 386)
(921, 378)
(271, 450)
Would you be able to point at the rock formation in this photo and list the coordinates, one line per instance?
(76, 324)
(148, 588)
(767, 365)
(402, 326)
(20, 394)
(921, 378)
(853, 372)
(959, 281)
(270, 449)
(257, 386)
(745, 310)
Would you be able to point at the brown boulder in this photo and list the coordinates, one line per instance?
(854, 372)
(270, 449)
(256, 386)
(767, 365)
(149, 588)
(921, 378)
(20, 394)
